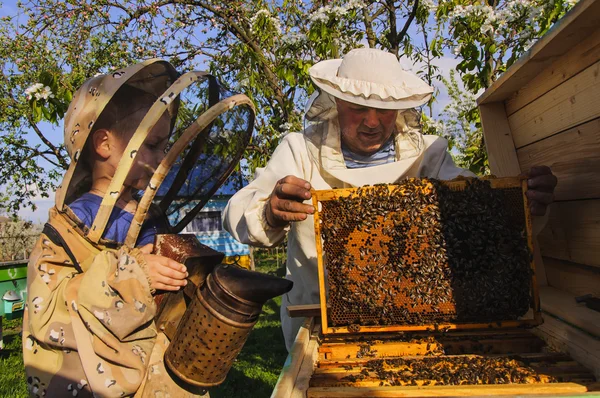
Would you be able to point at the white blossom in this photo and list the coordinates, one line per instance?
(266, 14)
(293, 38)
(323, 13)
(572, 2)
(486, 27)
(34, 88)
(430, 5)
(45, 93)
(439, 127)
(286, 126)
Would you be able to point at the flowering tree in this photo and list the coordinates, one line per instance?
(488, 37)
(263, 48)
(17, 238)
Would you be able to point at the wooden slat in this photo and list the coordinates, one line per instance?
(508, 344)
(304, 311)
(441, 326)
(573, 278)
(540, 266)
(340, 377)
(291, 367)
(574, 102)
(580, 57)
(306, 370)
(536, 358)
(498, 140)
(383, 349)
(580, 23)
(446, 391)
(563, 305)
(512, 181)
(564, 338)
(573, 155)
(573, 232)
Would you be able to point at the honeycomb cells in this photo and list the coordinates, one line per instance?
(425, 252)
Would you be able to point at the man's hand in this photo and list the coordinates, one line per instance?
(285, 203)
(541, 183)
(164, 273)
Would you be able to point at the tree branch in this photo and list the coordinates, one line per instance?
(244, 36)
(393, 35)
(368, 21)
(62, 162)
(411, 17)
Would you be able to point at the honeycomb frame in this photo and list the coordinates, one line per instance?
(518, 188)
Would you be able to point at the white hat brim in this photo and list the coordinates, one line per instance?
(409, 91)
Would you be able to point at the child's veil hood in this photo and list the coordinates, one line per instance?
(210, 129)
(153, 76)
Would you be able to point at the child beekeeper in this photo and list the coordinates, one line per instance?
(88, 328)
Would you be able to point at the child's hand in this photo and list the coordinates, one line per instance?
(164, 273)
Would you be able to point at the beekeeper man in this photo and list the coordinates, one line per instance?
(361, 129)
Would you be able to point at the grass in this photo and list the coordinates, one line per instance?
(254, 373)
(12, 373)
(257, 368)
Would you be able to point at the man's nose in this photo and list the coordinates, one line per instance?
(371, 119)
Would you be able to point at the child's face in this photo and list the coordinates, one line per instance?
(149, 156)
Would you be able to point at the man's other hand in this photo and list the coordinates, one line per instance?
(285, 203)
(541, 183)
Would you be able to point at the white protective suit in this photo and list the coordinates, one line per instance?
(316, 156)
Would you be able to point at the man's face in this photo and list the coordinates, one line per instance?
(364, 130)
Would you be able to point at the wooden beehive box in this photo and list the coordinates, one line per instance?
(544, 110)
(348, 348)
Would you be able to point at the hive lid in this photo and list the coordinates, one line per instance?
(11, 295)
(426, 255)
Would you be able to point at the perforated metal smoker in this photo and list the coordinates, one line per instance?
(373, 282)
(217, 323)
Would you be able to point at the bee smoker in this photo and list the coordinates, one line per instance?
(220, 312)
(199, 260)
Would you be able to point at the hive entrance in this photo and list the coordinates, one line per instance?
(425, 252)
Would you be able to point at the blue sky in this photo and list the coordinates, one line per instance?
(54, 133)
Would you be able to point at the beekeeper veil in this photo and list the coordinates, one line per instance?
(371, 78)
(209, 128)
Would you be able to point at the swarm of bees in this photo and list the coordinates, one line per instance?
(449, 371)
(421, 253)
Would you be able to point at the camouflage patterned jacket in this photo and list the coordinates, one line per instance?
(87, 326)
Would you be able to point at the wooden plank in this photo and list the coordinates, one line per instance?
(380, 349)
(573, 155)
(563, 305)
(580, 23)
(306, 370)
(320, 265)
(304, 311)
(573, 278)
(457, 184)
(574, 61)
(499, 142)
(573, 232)
(473, 344)
(291, 367)
(441, 326)
(540, 266)
(582, 347)
(341, 376)
(447, 391)
(572, 103)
